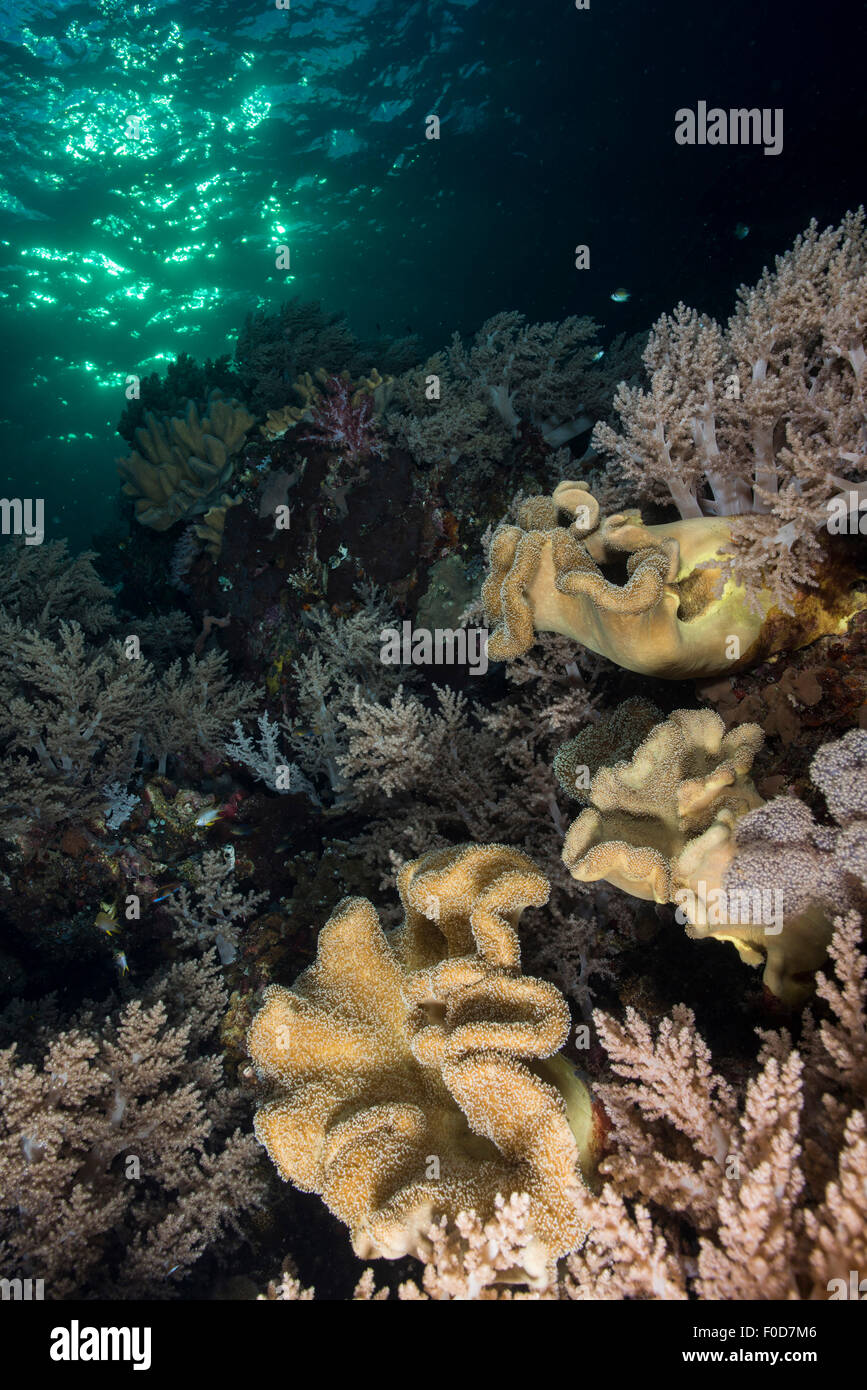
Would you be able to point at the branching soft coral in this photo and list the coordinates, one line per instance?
(771, 1189)
(766, 416)
(117, 1165)
(342, 421)
(213, 912)
(76, 717)
(40, 585)
(533, 372)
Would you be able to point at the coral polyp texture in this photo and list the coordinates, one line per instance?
(663, 820)
(415, 1073)
(681, 821)
(180, 466)
(653, 599)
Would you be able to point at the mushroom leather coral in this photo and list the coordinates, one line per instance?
(180, 466)
(663, 821)
(414, 1074)
(680, 821)
(673, 613)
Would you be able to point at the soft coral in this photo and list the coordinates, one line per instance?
(343, 421)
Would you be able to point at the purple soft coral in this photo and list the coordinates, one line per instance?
(343, 422)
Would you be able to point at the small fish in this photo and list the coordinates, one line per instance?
(620, 296)
(167, 891)
(741, 231)
(121, 962)
(106, 918)
(208, 817)
(597, 356)
(243, 830)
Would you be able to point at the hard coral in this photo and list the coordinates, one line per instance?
(664, 608)
(402, 1089)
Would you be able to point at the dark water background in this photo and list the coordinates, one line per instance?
(261, 126)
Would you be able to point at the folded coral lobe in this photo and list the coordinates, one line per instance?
(658, 600)
(415, 1074)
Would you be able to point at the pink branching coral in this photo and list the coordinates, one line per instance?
(343, 421)
(772, 1186)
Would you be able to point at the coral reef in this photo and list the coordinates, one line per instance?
(268, 759)
(401, 1093)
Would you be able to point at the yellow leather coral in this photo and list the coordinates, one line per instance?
(679, 820)
(665, 606)
(414, 1073)
(664, 820)
(179, 466)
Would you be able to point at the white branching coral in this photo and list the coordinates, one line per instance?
(266, 760)
(766, 416)
(120, 804)
(213, 913)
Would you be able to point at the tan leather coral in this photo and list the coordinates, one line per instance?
(414, 1074)
(664, 820)
(180, 466)
(653, 599)
(677, 819)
